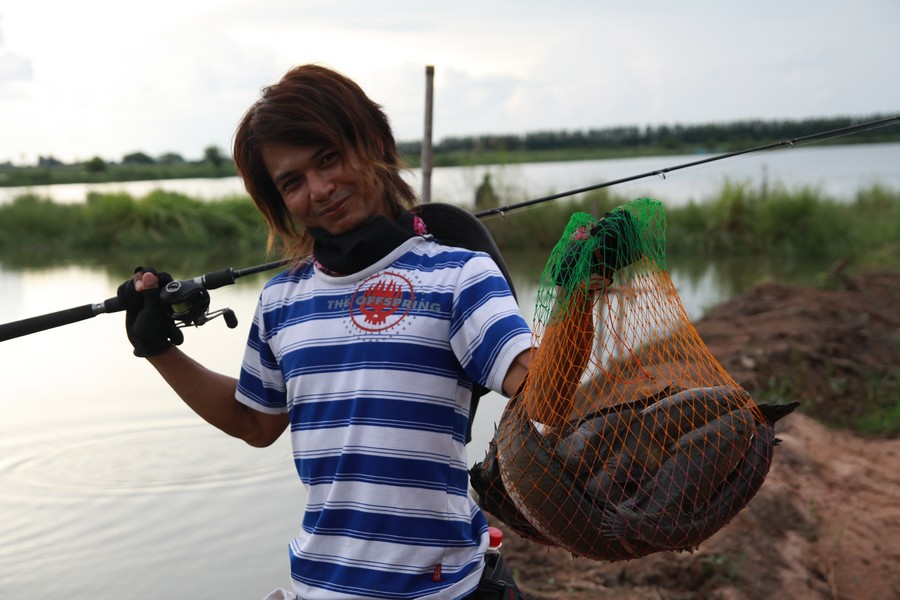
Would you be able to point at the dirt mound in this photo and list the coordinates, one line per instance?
(826, 523)
(835, 350)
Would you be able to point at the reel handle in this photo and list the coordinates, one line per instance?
(189, 300)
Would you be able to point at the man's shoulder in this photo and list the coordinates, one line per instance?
(434, 250)
(287, 283)
(294, 273)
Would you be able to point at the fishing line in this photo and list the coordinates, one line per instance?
(193, 294)
(789, 143)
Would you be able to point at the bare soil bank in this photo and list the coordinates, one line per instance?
(826, 523)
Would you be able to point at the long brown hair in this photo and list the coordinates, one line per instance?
(312, 104)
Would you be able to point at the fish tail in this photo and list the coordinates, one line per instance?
(774, 412)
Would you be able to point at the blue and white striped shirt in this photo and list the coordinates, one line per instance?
(376, 371)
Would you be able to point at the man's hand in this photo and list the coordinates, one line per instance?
(148, 321)
(613, 243)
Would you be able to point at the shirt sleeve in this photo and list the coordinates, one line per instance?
(261, 383)
(488, 330)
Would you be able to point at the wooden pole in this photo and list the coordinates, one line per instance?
(427, 149)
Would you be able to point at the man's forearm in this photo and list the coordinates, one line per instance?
(212, 396)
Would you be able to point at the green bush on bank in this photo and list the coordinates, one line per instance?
(803, 223)
(741, 221)
(35, 227)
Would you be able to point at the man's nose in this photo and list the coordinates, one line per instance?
(320, 186)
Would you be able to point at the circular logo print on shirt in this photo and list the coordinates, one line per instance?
(381, 301)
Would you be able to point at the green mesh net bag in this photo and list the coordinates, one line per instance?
(627, 437)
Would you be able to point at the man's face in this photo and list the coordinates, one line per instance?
(321, 187)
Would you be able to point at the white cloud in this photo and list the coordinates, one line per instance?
(105, 78)
(14, 68)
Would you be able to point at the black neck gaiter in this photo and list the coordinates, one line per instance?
(353, 251)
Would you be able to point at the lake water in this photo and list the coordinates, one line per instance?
(838, 171)
(110, 487)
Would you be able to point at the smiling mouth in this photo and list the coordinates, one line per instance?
(337, 202)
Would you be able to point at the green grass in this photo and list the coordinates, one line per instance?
(740, 222)
(881, 413)
(874, 410)
(34, 230)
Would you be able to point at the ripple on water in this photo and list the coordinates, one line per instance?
(95, 503)
(157, 458)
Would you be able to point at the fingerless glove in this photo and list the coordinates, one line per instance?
(148, 321)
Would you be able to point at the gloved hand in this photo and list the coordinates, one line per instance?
(613, 241)
(148, 321)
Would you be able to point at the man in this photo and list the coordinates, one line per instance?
(368, 346)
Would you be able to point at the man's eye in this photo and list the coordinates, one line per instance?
(329, 158)
(290, 184)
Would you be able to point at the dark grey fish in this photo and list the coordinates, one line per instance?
(611, 448)
(548, 496)
(644, 446)
(686, 529)
(774, 412)
(700, 462)
(491, 495)
(593, 437)
(689, 409)
(645, 463)
(593, 441)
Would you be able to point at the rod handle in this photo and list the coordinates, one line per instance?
(16, 329)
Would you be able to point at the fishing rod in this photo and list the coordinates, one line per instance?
(789, 143)
(189, 298)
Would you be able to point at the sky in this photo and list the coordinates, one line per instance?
(108, 78)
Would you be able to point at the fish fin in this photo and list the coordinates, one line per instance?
(614, 524)
(669, 390)
(638, 405)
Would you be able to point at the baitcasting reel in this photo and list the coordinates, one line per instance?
(189, 300)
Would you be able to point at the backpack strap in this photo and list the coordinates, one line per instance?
(455, 226)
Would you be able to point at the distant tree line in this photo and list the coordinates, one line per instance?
(630, 140)
(707, 136)
(134, 166)
(212, 155)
